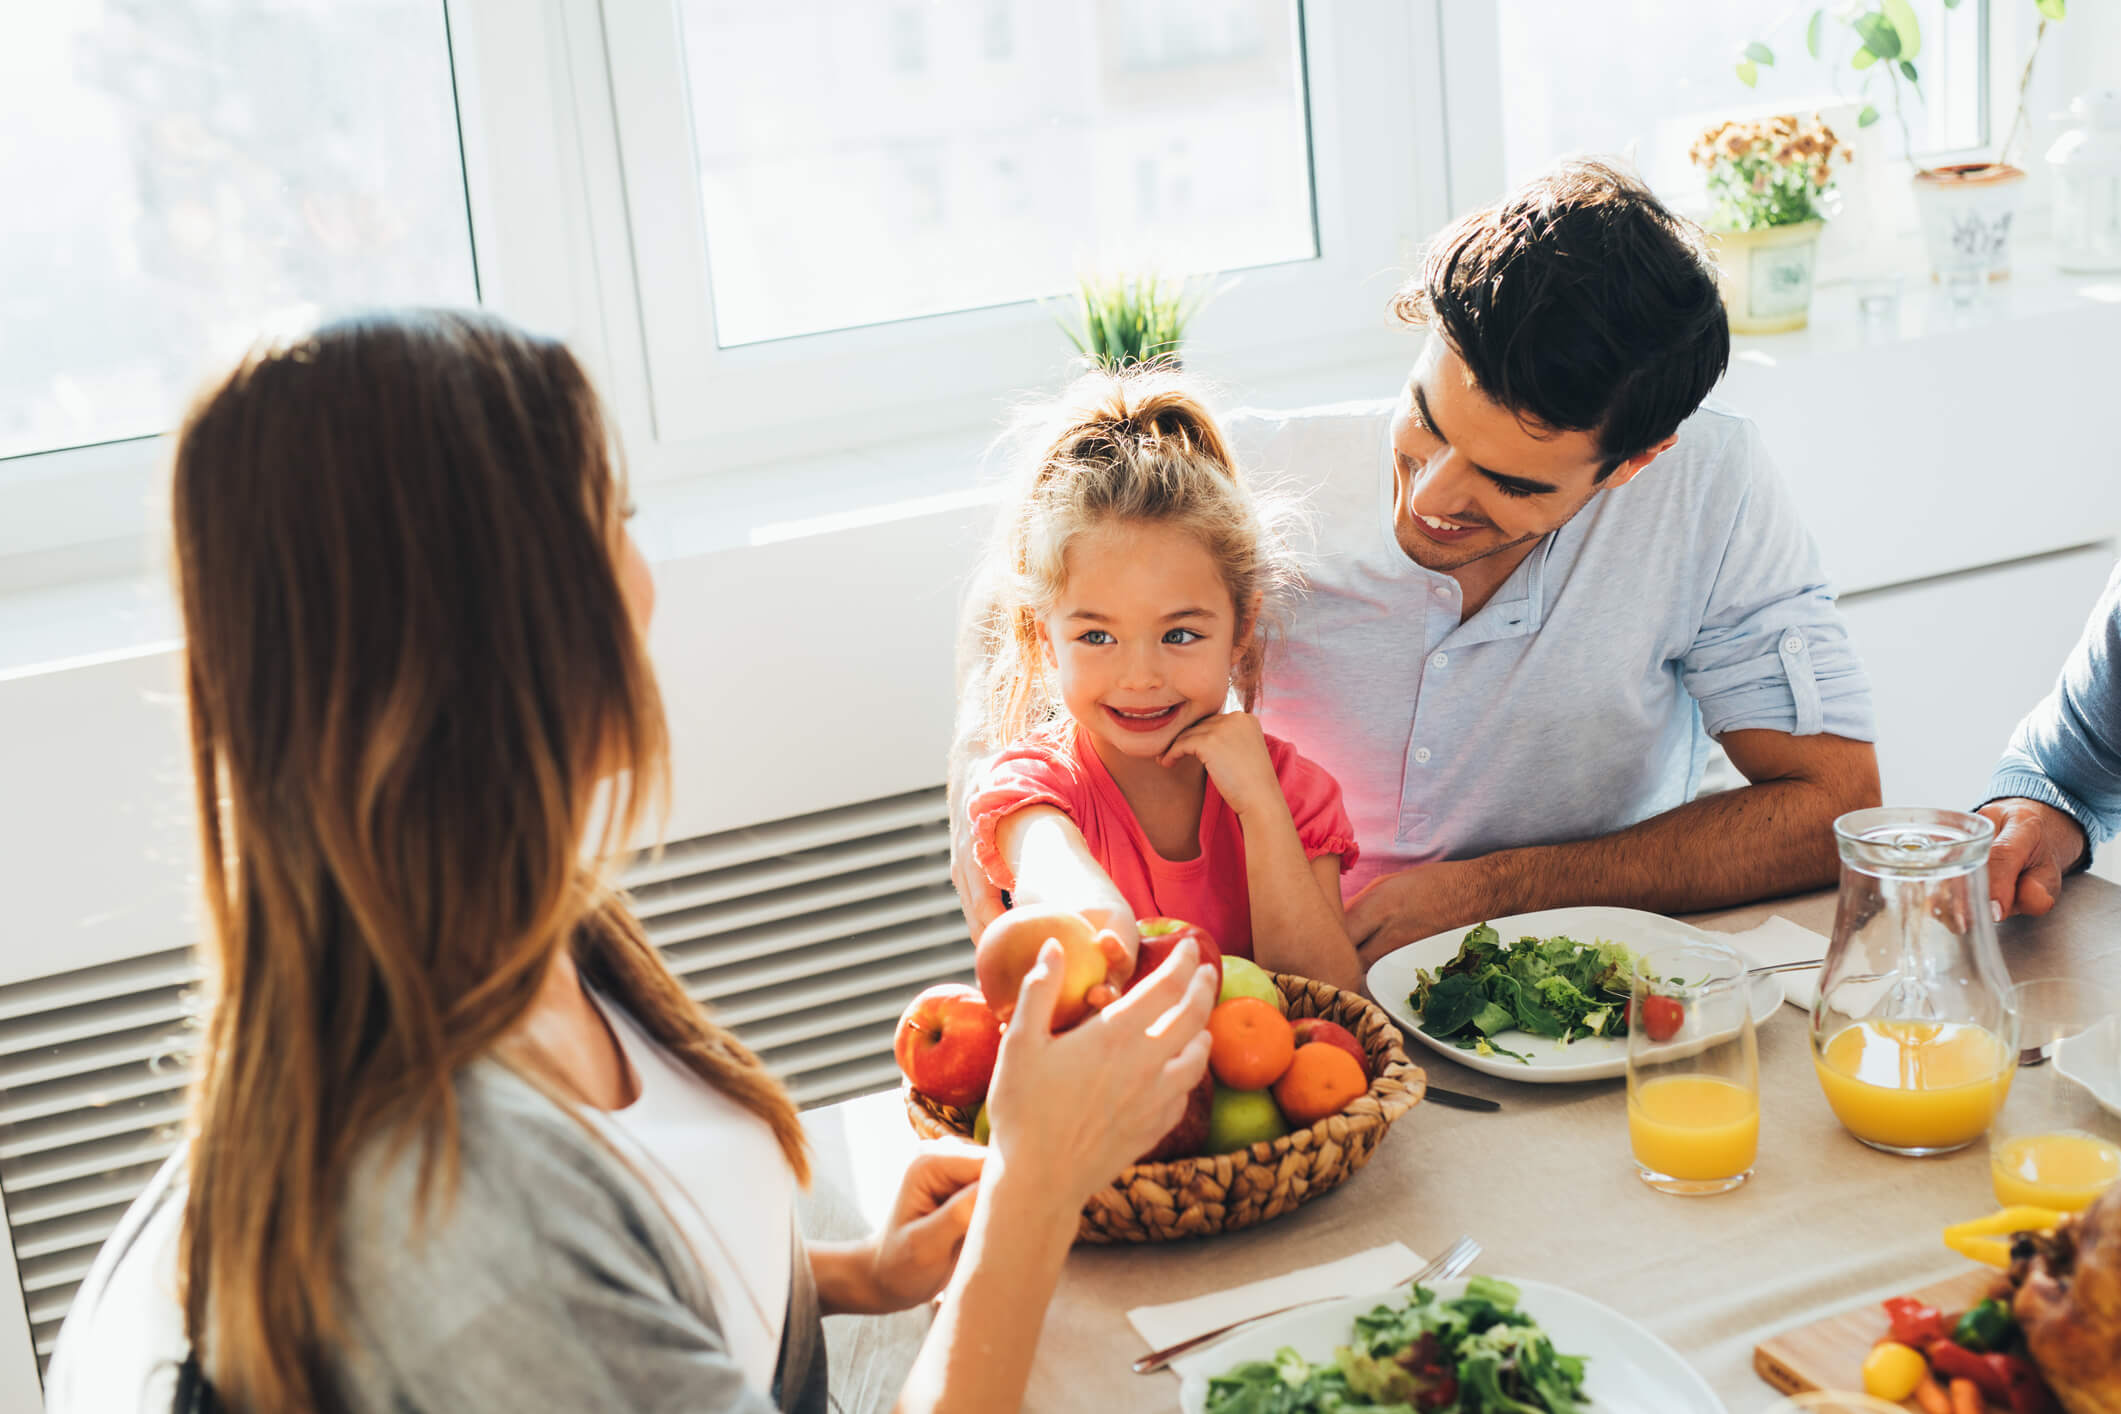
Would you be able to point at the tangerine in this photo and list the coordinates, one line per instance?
(1321, 1080)
(1250, 1043)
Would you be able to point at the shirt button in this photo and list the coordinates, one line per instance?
(1439, 660)
(1441, 592)
(1793, 644)
(1421, 755)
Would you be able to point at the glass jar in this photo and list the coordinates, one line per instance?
(2087, 164)
(1914, 1037)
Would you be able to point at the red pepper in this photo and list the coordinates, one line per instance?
(1914, 1323)
(1445, 1395)
(2025, 1391)
(1951, 1359)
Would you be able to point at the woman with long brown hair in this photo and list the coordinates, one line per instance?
(458, 1138)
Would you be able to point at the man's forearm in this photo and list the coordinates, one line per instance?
(1759, 841)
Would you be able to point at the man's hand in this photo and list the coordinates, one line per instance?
(976, 893)
(1418, 903)
(2035, 845)
(1234, 749)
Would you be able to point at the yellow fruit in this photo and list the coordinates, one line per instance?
(1892, 1370)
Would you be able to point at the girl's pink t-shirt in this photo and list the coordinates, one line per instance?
(1064, 771)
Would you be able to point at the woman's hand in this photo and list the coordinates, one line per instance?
(1234, 749)
(1070, 1111)
(913, 1256)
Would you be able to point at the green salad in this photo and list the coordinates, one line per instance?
(1476, 1354)
(1553, 987)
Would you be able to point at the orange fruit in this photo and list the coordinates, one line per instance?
(1250, 1043)
(1321, 1080)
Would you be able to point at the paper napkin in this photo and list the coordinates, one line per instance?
(1357, 1275)
(1779, 940)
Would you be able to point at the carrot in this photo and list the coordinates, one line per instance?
(1930, 1395)
(1966, 1398)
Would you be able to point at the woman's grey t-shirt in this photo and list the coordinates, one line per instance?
(554, 1280)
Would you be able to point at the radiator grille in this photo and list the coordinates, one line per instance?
(805, 936)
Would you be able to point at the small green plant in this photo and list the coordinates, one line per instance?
(1888, 40)
(1130, 319)
(1768, 172)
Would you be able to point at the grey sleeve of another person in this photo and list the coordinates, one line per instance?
(2067, 751)
(540, 1288)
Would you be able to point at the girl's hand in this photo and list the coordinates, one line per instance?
(1073, 1110)
(1234, 749)
(1120, 939)
(912, 1257)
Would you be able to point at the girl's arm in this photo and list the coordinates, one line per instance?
(1053, 868)
(1297, 923)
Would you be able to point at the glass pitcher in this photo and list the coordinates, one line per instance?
(1914, 1036)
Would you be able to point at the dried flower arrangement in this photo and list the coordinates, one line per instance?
(1768, 171)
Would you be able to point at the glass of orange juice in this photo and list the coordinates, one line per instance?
(2053, 1145)
(1693, 1069)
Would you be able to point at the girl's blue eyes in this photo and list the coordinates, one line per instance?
(1177, 637)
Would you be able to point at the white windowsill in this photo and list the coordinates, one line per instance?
(97, 619)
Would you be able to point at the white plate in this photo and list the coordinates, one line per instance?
(2093, 1059)
(1594, 1058)
(1630, 1370)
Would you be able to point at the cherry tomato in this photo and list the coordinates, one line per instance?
(1661, 1017)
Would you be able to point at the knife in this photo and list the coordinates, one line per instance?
(1438, 1095)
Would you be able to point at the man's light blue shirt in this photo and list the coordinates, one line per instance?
(1581, 697)
(2067, 751)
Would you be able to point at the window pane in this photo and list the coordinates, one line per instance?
(185, 173)
(1645, 77)
(863, 161)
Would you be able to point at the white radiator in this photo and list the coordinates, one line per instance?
(805, 936)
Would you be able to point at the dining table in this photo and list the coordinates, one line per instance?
(1548, 1188)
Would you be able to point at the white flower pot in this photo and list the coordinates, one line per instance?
(1967, 211)
(1766, 275)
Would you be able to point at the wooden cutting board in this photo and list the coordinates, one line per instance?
(1828, 1353)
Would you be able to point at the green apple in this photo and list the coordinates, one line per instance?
(1239, 1118)
(980, 1133)
(1243, 977)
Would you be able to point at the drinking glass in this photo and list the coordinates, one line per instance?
(1693, 1069)
(2054, 1145)
(1913, 1036)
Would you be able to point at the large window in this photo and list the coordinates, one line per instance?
(182, 174)
(863, 161)
(1643, 77)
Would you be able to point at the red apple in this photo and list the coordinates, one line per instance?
(1190, 1135)
(1313, 1028)
(946, 1044)
(1161, 935)
(1009, 948)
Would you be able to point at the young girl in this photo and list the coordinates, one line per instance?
(1130, 578)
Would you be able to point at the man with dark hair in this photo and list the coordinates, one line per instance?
(1519, 638)
(1545, 577)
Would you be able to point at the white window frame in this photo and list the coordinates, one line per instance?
(1373, 77)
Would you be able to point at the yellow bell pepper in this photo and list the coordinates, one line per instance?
(1989, 1239)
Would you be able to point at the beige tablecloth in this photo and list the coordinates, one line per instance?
(1548, 1187)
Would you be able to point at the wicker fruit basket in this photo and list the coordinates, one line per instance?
(1199, 1197)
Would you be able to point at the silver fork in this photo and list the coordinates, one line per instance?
(1455, 1259)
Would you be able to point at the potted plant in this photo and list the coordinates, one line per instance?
(1130, 319)
(1967, 208)
(1767, 180)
